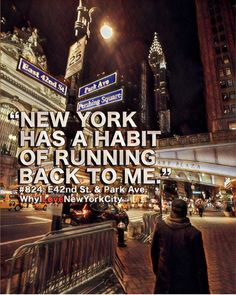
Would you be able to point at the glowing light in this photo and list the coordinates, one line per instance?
(106, 31)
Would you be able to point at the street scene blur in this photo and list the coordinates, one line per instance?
(170, 62)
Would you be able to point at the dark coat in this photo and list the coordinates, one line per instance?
(178, 258)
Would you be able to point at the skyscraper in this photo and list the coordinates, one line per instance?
(216, 28)
(156, 59)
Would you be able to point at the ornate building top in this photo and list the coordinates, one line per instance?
(156, 46)
(156, 55)
(25, 42)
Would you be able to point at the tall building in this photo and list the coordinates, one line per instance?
(216, 29)
(156, 59)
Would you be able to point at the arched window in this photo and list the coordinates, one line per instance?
(9, 130)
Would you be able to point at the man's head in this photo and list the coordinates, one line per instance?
(179, 208)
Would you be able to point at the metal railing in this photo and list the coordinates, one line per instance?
(149, 222)
(63, 260)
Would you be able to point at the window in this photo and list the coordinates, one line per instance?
(8, 127)
(232, 125)
(232, 95)
(214, 30)
(221, 73)
(224, 48)
(223, 84)
(230, 83)
(217, 50)
(226, 59)
(213, 21)
(226, 109)
(220, 28)
(219, 61)
(233, 109)
(210, 3)
(216, 40)
(217, 9)
(225, 96)
(211, 11)
(222, 38)
(228, 71)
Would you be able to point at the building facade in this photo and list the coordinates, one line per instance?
(157, 62)
(216, 29)
(19, 93)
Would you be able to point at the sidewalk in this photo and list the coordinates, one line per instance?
(219, 237)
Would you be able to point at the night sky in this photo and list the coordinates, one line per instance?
(134, 22)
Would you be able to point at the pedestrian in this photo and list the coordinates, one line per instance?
(190, 209)
(177, 254)
(200, 209)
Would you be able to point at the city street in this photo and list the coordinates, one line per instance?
(29, 225)
(219, 236)
(19, 228)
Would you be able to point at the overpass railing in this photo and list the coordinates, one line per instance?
(63, 260)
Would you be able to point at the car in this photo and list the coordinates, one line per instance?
(10, 202)
(40, 206)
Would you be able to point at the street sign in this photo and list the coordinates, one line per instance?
(39, 75)
(97, 85)
(100, 100)
(75, 58)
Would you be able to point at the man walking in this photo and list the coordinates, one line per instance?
(178, 256)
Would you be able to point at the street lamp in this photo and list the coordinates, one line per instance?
(12, 138)
(106, 31)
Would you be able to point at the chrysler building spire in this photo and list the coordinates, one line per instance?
(156, 46)
(157, 63)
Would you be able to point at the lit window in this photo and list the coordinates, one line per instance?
(216, 40)
(221, 73)
(226, 59)
(233, 109)
(232, 125)
(226, 109)
(232, 95)
(225, 96)
(223, 84)
(224, 48)
(230, 83)
(228, 71)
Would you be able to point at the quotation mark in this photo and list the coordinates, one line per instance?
(165, 171)
(14, 115)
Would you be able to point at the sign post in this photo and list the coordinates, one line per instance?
(75, 58)
(100, 100)
(42, 77)
(97, 85)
